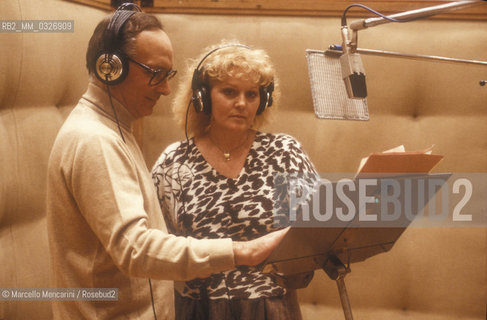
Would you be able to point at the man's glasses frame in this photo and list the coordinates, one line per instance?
(158, 76)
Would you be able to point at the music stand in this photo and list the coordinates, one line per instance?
(333, 249)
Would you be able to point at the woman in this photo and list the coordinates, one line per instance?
(220, 182)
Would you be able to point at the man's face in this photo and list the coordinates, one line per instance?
(152, 48)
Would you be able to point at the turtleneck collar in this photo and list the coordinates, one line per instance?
(98, 97)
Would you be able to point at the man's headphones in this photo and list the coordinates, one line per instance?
(201, 98)
(111, 64)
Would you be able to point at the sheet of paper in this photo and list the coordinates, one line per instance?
(397, 161)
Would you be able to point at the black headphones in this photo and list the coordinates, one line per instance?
(111, 64)
(201, 98)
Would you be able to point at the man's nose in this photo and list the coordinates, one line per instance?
(163, 88)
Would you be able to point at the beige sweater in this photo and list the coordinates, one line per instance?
(105, 225)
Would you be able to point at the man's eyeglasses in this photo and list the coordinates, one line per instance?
(158, 75)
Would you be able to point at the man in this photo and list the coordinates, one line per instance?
(105, 225)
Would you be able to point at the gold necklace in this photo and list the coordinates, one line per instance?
(226, 154)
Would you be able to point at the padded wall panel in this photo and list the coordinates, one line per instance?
(42, 76)
(338, 146)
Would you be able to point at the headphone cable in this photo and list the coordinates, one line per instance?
(186, 120)
(344, 18)
(152, 300)
(114, 111)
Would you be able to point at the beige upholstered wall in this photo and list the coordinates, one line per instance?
(435, 273)
(42, 76)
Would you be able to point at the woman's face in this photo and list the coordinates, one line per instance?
(234, 104)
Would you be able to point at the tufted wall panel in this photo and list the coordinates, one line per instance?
(42, 76)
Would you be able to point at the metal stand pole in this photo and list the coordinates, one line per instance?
(342, 290)
(337, 271)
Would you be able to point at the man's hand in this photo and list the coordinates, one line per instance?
(251, 253)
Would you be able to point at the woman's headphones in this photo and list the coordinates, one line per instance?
(111, 64)
(201, 98)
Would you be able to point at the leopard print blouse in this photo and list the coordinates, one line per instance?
(197, 201)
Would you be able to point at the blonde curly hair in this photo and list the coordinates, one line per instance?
(229, 60)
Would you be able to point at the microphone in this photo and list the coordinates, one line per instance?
(337, 79)
(353, 72)
(330, 98)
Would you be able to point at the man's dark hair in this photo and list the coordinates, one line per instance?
(137, 23)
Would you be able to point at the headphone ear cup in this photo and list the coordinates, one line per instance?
(263, 100)
(200, 100)
(111, 68)
(265, 97)
(206, 98)
(201, 94)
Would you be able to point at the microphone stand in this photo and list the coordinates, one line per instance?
(349, 44)
(411, 15)
(415, 14)
(338, 50)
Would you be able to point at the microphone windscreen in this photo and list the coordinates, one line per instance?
(330, 98)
